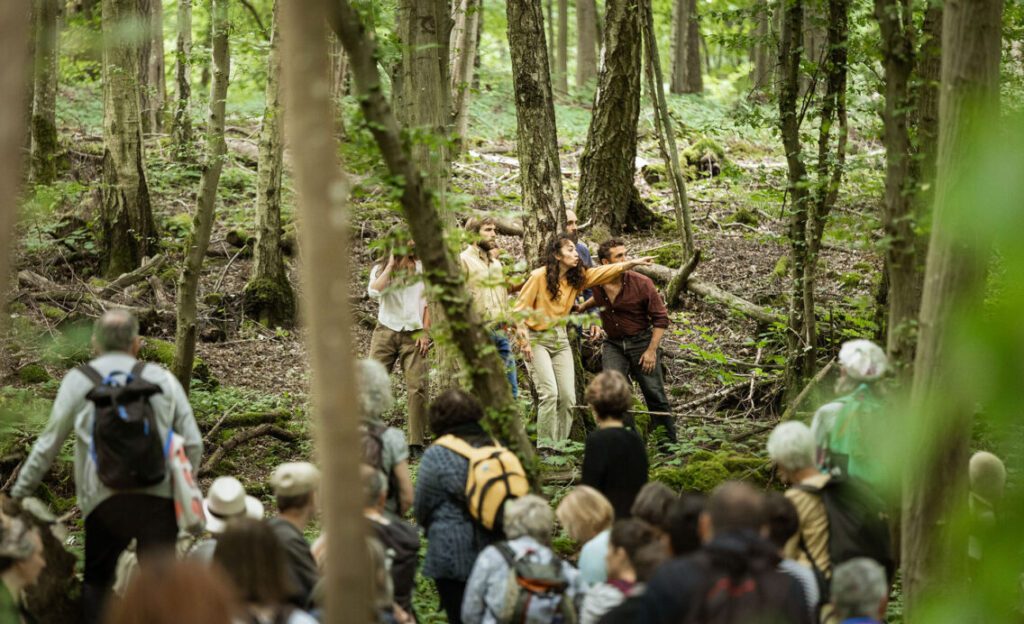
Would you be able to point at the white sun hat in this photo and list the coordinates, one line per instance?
(227, 500)
(863, 360)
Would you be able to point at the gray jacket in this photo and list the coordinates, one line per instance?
(72, 411)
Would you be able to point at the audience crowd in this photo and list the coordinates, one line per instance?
(637, 551)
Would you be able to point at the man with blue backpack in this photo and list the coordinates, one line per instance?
(122, 412)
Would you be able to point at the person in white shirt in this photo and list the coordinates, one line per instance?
(403, 321)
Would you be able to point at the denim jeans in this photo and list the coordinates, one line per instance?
(623, 355)
(501, 341)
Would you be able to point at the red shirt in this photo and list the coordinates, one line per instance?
(637, 308)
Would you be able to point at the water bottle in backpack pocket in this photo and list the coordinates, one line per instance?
(126, 444)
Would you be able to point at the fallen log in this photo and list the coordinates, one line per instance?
(241, 438)
(128, 279)
(723, 393)
(664, 274)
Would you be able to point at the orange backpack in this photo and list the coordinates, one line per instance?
(495, 475)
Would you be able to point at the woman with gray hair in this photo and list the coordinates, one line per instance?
(860, 592)
(492, 593)
(384, 447)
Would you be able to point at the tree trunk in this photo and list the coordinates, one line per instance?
(686, 67)
(181, 127)
(665, 132)
(424, 27)
(899, 217)
(323, 201)
(155, 66)
(764, 66)
(552, 52)
(607, 194)
(463, 60)
(485, 369)
(44, 91)
(561, 73)
(268, 295)
(954, 288)
(540, 173)
(202, 223)
(128, 230)
(586, 42)
(694, 79)
(15, 26)
(790, 52)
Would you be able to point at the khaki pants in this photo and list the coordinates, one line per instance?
(555, 379)
(388, 346)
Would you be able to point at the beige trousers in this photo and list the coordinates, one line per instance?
(388, 346)
(555, 380)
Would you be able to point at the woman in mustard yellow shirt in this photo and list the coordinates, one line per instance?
(546, 300)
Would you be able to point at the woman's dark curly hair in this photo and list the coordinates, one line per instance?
(574, 275)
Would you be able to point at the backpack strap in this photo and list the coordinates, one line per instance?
(506, 553)
(93, 375)
(137, 369)
(456, 445)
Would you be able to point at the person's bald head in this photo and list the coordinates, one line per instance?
(733, 506)
(117, 330)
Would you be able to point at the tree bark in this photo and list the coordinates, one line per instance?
(15, 25)
(899, 215)
(764, 66)
(608, 195)
(463, 61)
(552, 52)
(686, 66)
(789, 66)
(586, 42)
(561, 77)
(44, 91)
(128, 229)
(268, 296)
(539, 167)
(954, 288)
(424, 27)
(181, 126)
(484, 368)
(323, 200)
(157, 76)
(202, 223)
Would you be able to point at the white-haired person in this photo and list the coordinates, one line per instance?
(987, 478)
(860, 591)
(791, 449)
(384, 447)
(847, 429)
(491, 595)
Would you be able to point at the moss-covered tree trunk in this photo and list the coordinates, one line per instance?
(942, 397)
(323, 200)
(156, 78)
(900, 217)
(199, 238)
(181, 126)
(790, 53)
(763, 60)
(586, 42)
(268, 295)
(484, 369)
(540, 171)
(15, 25)
(608, 195)
(44, 91)
(463, 62)
(128, 232)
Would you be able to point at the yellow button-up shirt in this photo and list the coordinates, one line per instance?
(544, 310)
(485, 281)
